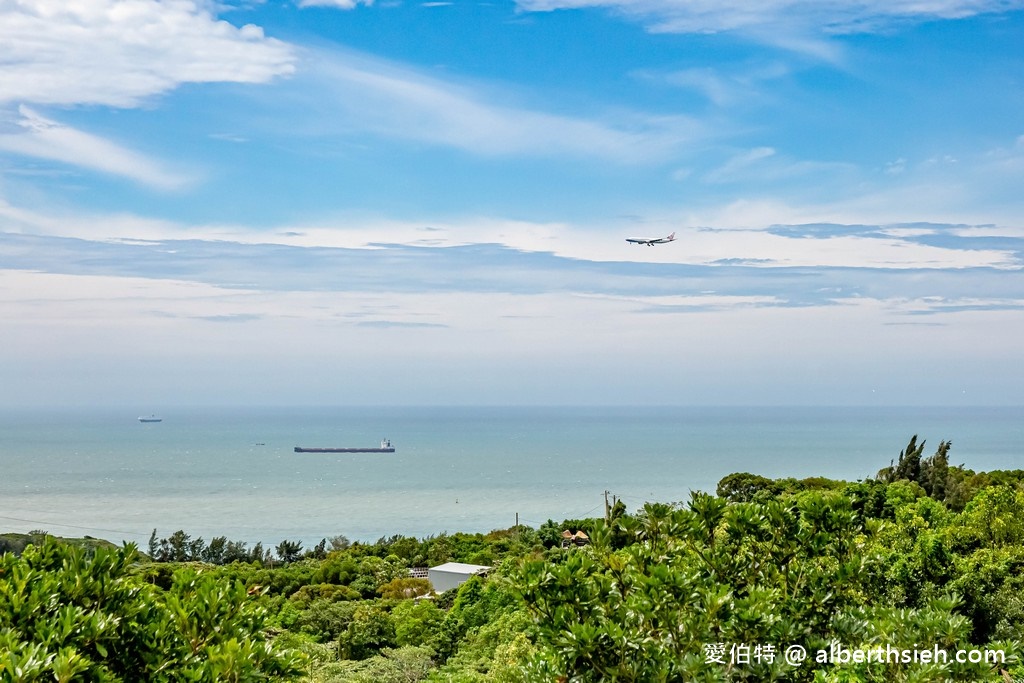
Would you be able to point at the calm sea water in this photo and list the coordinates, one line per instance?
(223, 472)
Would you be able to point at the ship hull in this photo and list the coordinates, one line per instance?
(299, 449)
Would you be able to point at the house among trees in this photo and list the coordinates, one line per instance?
(453, 574)
(574, 540)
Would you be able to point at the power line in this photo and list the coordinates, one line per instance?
(84, 528)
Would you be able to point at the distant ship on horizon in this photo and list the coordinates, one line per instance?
(151, 418)
(385, 447)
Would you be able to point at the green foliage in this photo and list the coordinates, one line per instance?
(899, 494)
(918, 560)
(711, 573)
(868, 499)
(550, 534)
(995, 516)
(325, 620)
(369, 631)
(180, 547)
(404, 587)
(934, 627)
(989, 579)
(952, 485)
(322, 591)
(935, 472)
(909, 465)
(16, 543)
(417, 622)
(289, 551)
(743, 487)
(391, 665)
(65, 615)
(498, 650)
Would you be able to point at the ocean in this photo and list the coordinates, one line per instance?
(233, 472)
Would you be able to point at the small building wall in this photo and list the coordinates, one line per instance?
(453, 574)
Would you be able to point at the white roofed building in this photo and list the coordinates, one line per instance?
(453, 574)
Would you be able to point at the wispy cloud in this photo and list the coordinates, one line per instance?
(747, 233)
(796, 25)
(384, 324)
(737, 163)
(837, 16)
(119, 53)
(387, 99)
(46, 139)
(725, 87)
(230, 318)
(340, 4)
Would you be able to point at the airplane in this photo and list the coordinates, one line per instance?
(652, 242)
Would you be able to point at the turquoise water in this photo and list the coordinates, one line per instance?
(234, 473)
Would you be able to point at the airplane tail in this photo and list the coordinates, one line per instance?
(671, 237)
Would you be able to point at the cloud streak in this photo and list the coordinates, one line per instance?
(393, 101)
(46, 139)
(800, 26)
(339, 4)
(798, 266)
(830, 16)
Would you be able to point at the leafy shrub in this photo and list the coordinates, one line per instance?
(65, 615)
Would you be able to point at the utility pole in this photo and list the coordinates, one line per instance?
(607, 510)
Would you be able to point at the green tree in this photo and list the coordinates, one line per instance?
(909, 465)
(936, 626)
(215, 552)
(417, 622)
(66, 615)
(742, 487)
(289, 551)
(917, 557)
(995, 516)
(935, 472)
(370, 630)
(404, 587)
(710, 573)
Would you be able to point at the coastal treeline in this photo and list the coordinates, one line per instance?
(922, 556)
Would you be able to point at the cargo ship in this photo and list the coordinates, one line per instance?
(151, 418)
(385, 447)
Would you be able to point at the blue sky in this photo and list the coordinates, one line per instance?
(347, 202)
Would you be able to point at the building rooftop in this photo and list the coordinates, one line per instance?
(460, 568)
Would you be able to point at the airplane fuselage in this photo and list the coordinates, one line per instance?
(652, 242)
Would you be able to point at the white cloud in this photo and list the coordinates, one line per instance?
(896, 167)
(370, 94)
(740, 235)
(838, 16)
(340, 4)
(795, 25)
(46, 139)
(708, 82)
(725, 88)
(118, 52)
(737, 163)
